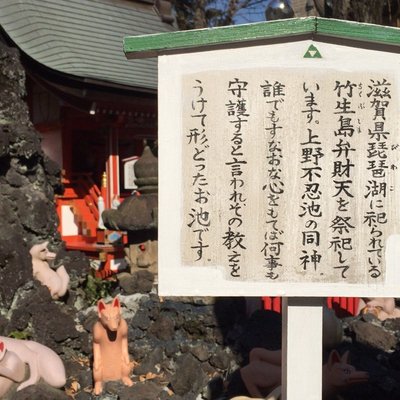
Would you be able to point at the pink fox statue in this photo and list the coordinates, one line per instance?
(43, 363)
(110, 346)
(12, 369)
(382, 308)
(264, 372)
(56, 281)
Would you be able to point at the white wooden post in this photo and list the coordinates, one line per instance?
(302, 348)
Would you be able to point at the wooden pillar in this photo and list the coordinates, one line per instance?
(112, 166)
(66, 143)
(302, 348)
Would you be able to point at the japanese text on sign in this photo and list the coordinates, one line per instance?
(290, 177)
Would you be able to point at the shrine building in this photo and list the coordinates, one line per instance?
(92, 107)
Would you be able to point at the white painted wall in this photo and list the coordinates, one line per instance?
(68, 226)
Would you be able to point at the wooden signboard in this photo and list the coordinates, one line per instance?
(279, 154)
(279, 163)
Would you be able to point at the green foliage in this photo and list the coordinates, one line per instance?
(22, 335)
(96, 289)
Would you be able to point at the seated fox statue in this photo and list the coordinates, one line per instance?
(264, 373)
(57, 281)
(110, 346)
(382, 308)
(43, 363)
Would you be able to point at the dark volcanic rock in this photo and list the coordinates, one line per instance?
(50, 323)
(163, 328)
(392, 324)
(141, 319)
(151, 362)
(373, 336)
(15, 265)
(138, 282)
(53, 325)
(220, 359)
(40, 391)
(4, 141)
(188, 376)
(143, 391)
(27, 208)
(201, 352)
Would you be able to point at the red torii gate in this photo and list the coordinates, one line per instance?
(343, 306)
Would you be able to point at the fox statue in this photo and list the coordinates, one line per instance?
(337, 374)
(43, 363)
(12, 369)
(262, 372)
(56, 281)
(382, 308)
(110, 346)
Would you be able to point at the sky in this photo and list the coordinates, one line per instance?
(257, 13)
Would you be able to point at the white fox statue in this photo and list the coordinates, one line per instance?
(262, 373)
(56, 281)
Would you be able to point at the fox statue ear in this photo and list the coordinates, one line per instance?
(100, 306)
(333, 358)
(116, 302)
(2, 350)
(345, 357)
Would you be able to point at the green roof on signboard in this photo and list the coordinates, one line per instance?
(258, 33)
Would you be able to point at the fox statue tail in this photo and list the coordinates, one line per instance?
(64, 277)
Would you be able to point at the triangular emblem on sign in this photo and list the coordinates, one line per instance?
(312, 52)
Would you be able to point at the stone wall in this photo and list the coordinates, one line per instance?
(28, 181)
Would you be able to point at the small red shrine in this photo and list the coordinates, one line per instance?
(93, 107)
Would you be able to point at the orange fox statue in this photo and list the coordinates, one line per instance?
(110, 346)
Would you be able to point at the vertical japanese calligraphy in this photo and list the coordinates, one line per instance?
(234, 237)
(311, 154)
(199, 220)
(289, 176)
(376, 189)
(342, 224)
(274, 93)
